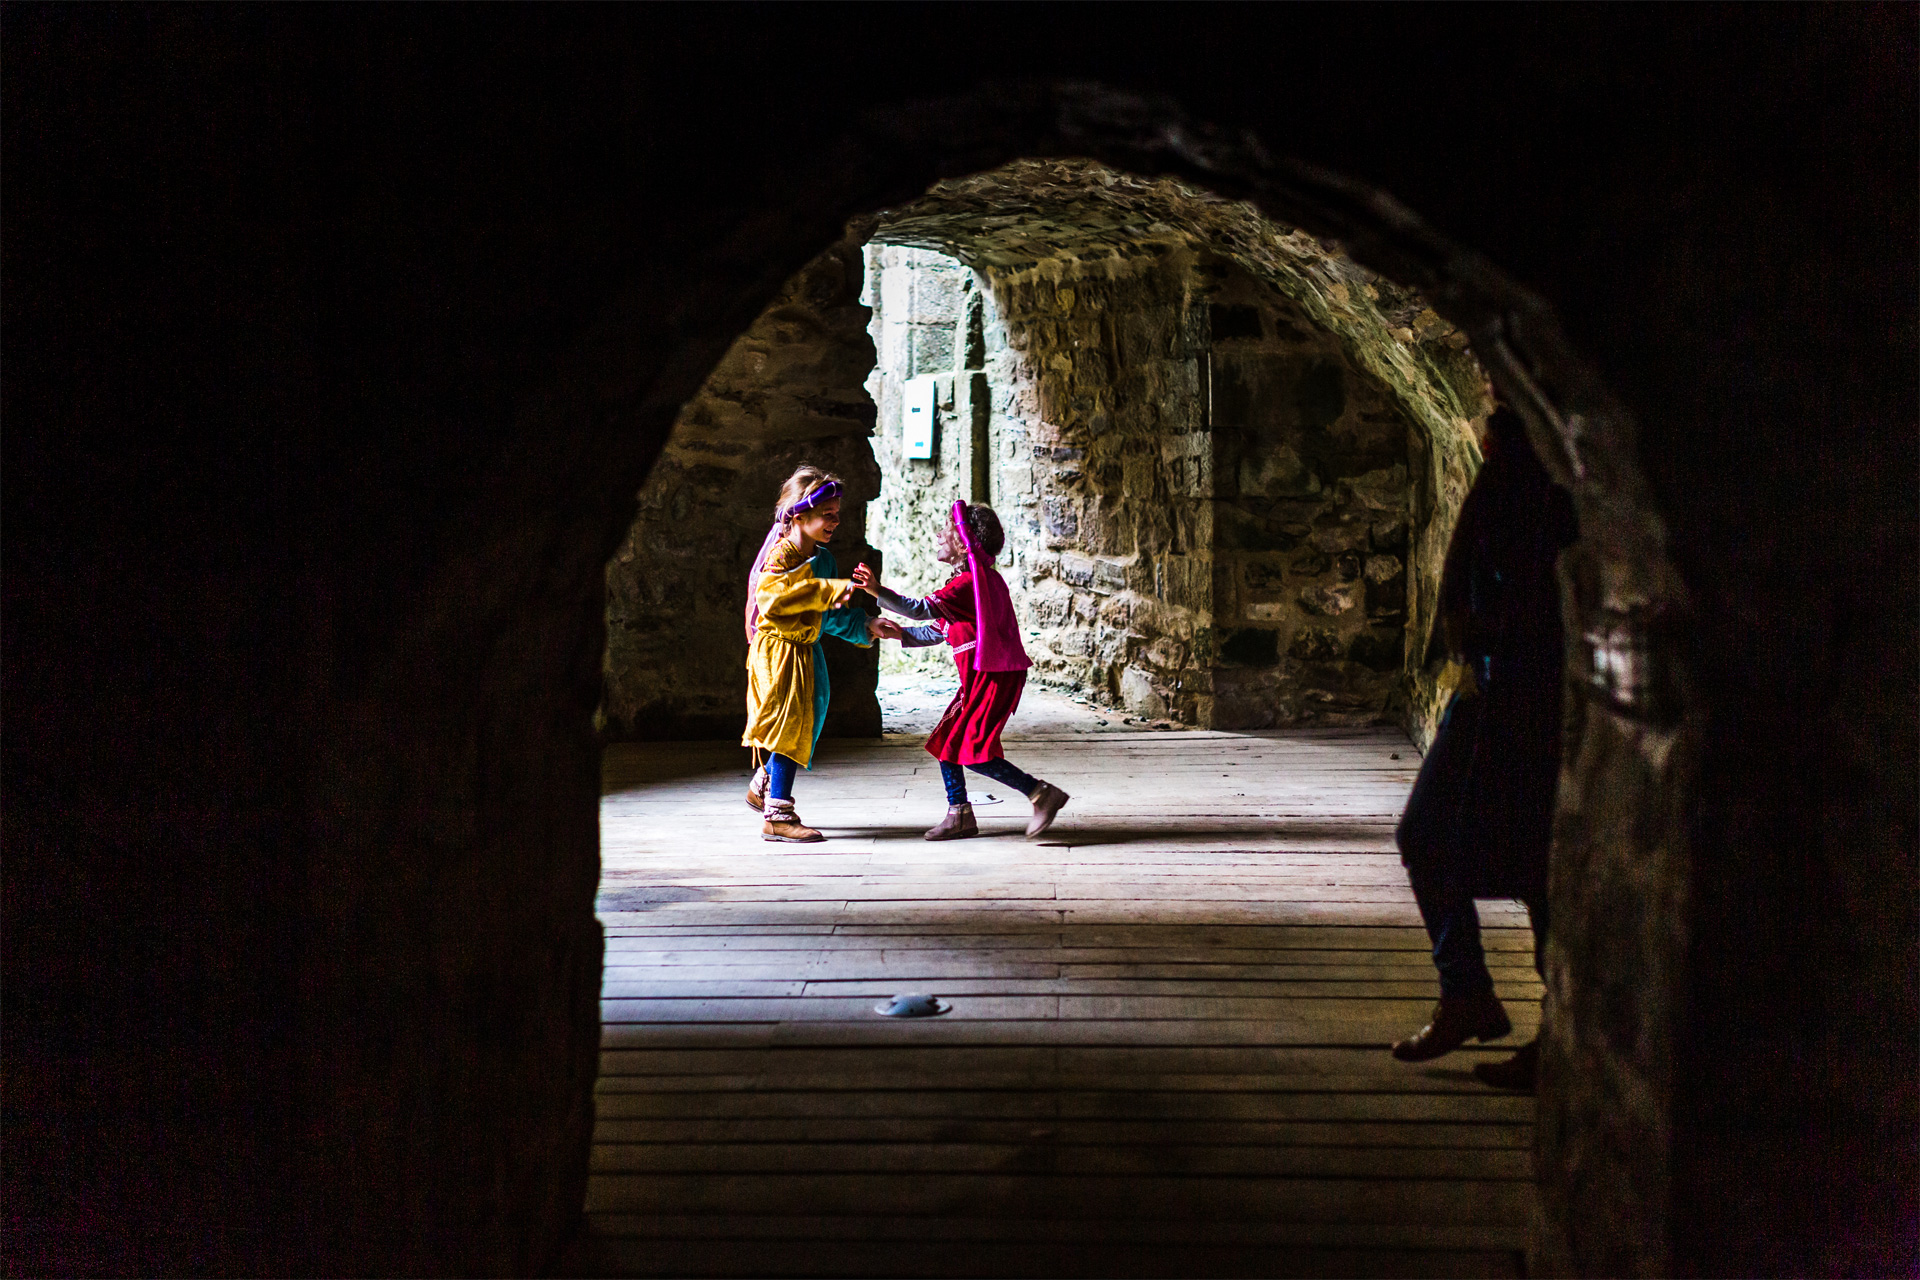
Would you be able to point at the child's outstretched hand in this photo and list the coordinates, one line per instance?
(885, 629)
(865, 578)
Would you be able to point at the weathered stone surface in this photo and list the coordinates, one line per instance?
(913, 291)
(332, 371)
(1200, 420)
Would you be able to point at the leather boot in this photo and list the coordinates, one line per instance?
(1047, 803)
(1519, 1073)
(1456, 1020)
(757, 789)
(783, 825)
(957, 825)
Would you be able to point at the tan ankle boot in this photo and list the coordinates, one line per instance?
(783, 825)
(757, 790)
(1047, 803)
(957, 825)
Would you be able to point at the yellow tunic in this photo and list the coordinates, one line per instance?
(780, 661)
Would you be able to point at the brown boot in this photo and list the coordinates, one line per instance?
(1047, 803)
(1519, 1073)
(783, 825)
(757, 790)
(957, 825)
(1456, 1021)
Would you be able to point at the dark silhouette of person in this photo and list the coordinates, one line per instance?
(1479, 821)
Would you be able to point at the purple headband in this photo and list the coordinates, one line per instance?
(827, 489)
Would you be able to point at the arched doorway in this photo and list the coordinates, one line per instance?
(1578, 430)
(317, 462)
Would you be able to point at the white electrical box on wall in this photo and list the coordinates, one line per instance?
(916, 418)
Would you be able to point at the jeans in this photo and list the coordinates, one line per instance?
(1453, 925)
(780, 777)
(1001, 771)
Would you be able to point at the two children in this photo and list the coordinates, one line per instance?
(795, 599)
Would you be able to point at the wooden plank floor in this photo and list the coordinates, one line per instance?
(1166, 1056)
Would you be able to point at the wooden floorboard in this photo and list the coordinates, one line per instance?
(1166, 1055)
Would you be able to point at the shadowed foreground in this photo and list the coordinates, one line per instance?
(1166, 1054)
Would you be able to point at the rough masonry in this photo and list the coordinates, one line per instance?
(1228, 459)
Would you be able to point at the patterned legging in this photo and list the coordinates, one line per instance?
(1001, 771)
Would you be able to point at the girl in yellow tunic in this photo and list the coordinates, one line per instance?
(794, 599)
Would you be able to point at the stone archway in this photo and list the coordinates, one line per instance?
(338, 351)
(1621, 852)
(1228, 457)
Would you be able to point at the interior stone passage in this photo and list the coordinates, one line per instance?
(1227, 457)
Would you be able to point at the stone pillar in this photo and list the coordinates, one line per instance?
(972, 398)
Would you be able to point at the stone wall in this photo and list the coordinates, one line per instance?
(1228, 459)
(1312, 541)
(1098, 480)
(927, 321)
(337, 348)
(788, 391)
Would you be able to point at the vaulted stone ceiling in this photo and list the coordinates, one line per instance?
(1081, 227)
(1034, 212)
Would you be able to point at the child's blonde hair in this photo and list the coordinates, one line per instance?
(805, 479)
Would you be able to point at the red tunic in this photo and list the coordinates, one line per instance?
(969, 731)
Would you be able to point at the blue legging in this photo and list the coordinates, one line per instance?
(780, 777)
(1001, 771)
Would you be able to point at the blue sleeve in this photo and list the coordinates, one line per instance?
(847, 622)
(921, 637)
(906, 606)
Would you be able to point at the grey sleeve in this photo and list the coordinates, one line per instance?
(905, 606)
(920, 637)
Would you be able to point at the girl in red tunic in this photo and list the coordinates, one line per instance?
(974, 614)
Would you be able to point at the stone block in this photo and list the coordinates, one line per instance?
(1389, 535)
(1251, 646)
(1140, 477)
(894, 348)
(1384, 489)
(1379, 649)
(930, 350)
(1060, 517)
(1386, 586)
(1310, 563)
(1236, 529)
(1185, 582)
(1384, 568)
(1113, 575)
(1278, 473)
(1334, 533)
(937, 293)
(1138, 694)
(1315, 644)
(1075, 570)
(1328, 601)
(1262, 575)
(1167, 655)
